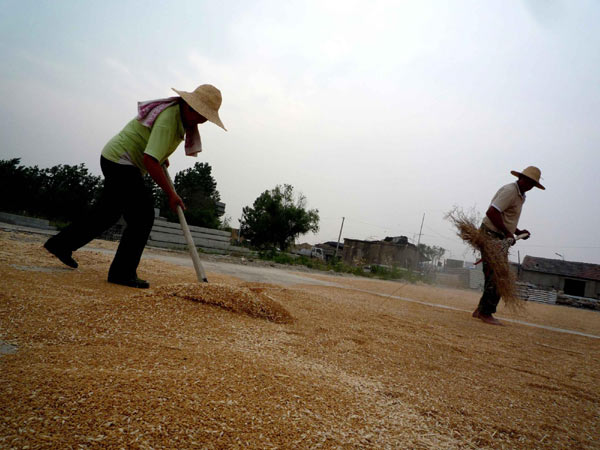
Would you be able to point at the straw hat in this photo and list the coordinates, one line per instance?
(531, 172)
(206, 100)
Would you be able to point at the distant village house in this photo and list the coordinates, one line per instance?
(392, 251)
(573, 278)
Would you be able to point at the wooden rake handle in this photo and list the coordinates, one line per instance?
(200, 273)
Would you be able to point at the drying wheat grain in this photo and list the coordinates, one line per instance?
(237, 299)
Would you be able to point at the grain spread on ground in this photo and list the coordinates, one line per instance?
(241, 300)
(100, 365)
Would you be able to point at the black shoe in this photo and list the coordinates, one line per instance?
(131, 282)
(64, 255)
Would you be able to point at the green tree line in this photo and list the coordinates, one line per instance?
(63, 193)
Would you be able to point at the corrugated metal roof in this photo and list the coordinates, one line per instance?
(564, 268)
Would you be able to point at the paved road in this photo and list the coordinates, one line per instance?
(247, 272)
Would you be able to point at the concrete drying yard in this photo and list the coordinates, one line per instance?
(87, 364)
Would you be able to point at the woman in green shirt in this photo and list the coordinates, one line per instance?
(143, 146)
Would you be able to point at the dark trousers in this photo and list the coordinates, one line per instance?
(490, 298)
(124, 194)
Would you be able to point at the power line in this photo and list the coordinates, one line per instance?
(366, 223)
(441, 235)
(389, 229)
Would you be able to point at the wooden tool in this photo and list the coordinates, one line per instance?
(200, 273)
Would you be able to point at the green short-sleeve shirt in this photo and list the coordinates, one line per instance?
(160, 141)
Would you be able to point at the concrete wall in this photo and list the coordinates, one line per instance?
(453, 280)
(461, 278)
(358, 253)
(592, 289)
(164, 234)
(543, 280)
(169, 235)
(25, 221)
(476, 278)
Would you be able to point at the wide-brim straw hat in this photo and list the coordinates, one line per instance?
(206, 100)
(531, 172)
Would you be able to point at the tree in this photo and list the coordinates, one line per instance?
(432, 254)
(439, 253)
(276, 219)
(65, 192)
(198, 189)
(61, 192)
(20, 187)
(68, 191)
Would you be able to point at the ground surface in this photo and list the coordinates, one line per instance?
(90, 364)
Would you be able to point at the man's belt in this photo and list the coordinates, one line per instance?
(492, 233)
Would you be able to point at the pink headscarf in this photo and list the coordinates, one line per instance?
(149, 110)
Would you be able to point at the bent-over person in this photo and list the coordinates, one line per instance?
(143, 146)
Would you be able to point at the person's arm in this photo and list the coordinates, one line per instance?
(158, 175)
(496, 217)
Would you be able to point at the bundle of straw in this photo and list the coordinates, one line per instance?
(492, 250)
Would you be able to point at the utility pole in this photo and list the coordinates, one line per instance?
(419, 241)
(339, 237)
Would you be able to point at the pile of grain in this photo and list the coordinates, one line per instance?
(491, 248)
(237, 299)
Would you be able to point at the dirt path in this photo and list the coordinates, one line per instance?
(100, 365)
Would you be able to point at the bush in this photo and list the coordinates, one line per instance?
(375, 271)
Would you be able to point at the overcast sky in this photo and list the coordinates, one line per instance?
(377, 111)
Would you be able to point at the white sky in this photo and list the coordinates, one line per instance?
(377, 111)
